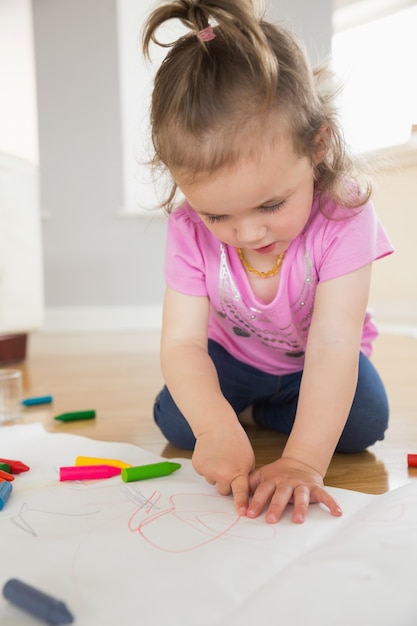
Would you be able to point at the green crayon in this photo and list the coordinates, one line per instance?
(76, 415)
(142, 472)
(5, 467)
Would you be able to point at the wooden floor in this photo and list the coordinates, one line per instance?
(119, 376)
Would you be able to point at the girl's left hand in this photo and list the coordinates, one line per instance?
(287, 481)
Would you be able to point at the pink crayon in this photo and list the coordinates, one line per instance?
(88, 472)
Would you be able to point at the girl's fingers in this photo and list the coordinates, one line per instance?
(279, 495)
(301, 498)
(318, 494)
(240, 491)
(254, 480)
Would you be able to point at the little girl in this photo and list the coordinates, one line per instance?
(268, 261)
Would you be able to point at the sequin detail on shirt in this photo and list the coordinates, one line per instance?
(288, 336)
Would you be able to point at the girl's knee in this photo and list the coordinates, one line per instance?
(365, 428)
(171, 422)
(369, 415)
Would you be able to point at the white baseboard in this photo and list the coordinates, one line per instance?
(396, 317)
(102, 319)
(392, 318)
(398, 329)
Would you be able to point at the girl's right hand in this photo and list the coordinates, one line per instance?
(225, 458)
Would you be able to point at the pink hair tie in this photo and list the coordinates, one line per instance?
(207, 34)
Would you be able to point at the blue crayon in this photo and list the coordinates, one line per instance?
(6, 489)
(38, 400)
(37, 603)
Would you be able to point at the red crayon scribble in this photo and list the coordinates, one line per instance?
(203, 516)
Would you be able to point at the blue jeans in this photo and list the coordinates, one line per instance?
(274, 400)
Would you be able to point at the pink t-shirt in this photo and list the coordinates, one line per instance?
(272, 337)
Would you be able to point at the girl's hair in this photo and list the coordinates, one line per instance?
(214, 102)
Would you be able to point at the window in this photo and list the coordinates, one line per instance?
(18, 109)
(136, 83)
(376, 62)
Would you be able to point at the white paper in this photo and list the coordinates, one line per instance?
(171, 551)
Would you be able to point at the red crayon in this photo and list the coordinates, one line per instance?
(6, 476)
(15, 466)
(412, 460)
(88, 472)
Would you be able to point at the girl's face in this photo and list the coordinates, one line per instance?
(260, 204)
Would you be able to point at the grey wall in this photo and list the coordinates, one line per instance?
(312, 21)
(92, 256)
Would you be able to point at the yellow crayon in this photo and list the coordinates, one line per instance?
(88, 460)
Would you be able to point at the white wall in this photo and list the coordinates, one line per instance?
(394, 279)
(102, 270)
